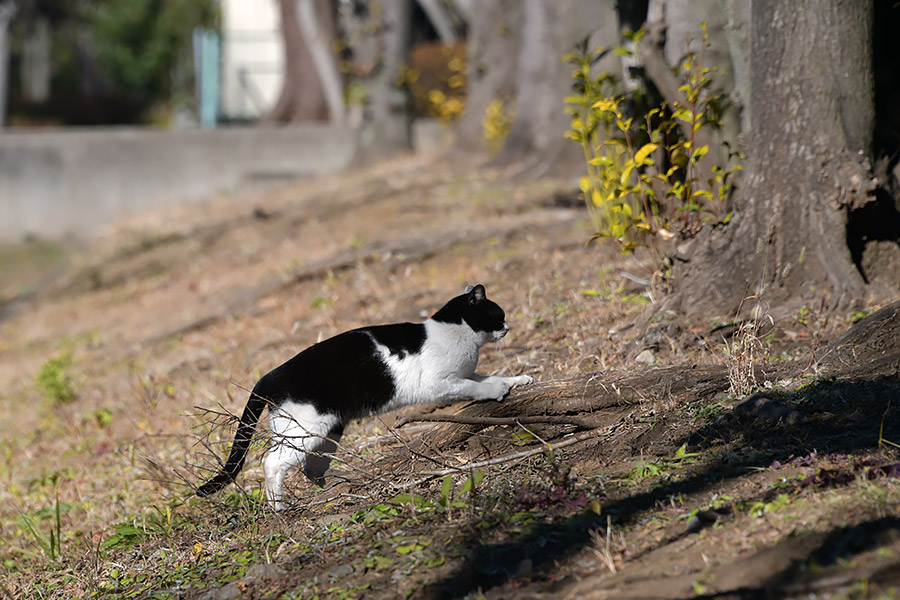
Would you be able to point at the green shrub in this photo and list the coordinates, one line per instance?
(644, 182)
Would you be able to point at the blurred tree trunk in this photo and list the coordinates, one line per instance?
(491, 56)
(317, 23)
(812, 112)
(388, 127)
(7, 10)
(302, 96)
(725, 53)
(515, 55)
(440, 20)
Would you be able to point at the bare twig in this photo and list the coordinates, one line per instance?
(603, 549)
(580, 437)
(470, 420)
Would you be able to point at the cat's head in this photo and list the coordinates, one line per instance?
(473, 308)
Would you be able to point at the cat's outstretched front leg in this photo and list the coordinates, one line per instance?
(510, 381)
(485, 387)
(519, 380)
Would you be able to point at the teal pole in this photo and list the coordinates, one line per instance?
(209, 79)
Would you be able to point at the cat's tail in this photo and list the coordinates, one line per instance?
(239, 447)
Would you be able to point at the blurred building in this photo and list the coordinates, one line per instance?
(252, 59)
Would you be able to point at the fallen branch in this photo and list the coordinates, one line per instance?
(590, 393)
(468, 420)
(580, 437)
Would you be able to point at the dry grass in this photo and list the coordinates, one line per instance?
(123, 455)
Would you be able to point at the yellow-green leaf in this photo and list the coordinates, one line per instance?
(682, 115)
(644, 152)
(601, 161)
(605, 105)
(700, 152)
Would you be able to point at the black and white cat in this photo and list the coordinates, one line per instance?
(364, 372)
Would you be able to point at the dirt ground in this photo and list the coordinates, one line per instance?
(632, 469)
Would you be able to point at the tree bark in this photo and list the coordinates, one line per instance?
(590, 396)
(812, 112)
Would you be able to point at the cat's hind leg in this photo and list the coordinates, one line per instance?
(297, 430)
(318, 456)
(280, 459)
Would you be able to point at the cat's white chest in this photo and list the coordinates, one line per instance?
(450, 352)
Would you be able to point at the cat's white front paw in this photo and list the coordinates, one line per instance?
(520, 380)
(496, 389)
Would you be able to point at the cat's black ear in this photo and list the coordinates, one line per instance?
(476, 294)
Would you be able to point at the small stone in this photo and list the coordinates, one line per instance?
(227, 592)
(526, 569)
(341, 571)
(329, 519)
(264, 571)
(645, 358)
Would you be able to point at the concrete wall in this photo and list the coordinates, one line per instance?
(75, 182)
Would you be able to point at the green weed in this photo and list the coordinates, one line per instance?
(858, 315)
(706, 411)
(50, 545)
(759, 509)
(55, 379)
(321, 302)
(103, 417)
(448, 500)
(660, 467)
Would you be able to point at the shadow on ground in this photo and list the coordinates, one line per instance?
(833, 418)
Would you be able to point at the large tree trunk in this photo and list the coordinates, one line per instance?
(811, 108)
